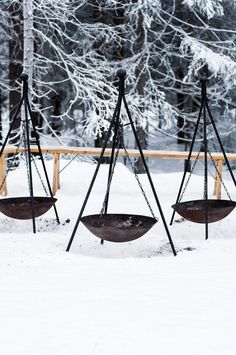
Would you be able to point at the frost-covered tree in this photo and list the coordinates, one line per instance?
(163, 45)
(166, 44)
(11, 56)
(211, 41)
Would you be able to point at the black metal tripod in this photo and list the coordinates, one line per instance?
(29, 117)
(115, 124)
(204, 109)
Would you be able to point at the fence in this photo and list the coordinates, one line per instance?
(87, 151)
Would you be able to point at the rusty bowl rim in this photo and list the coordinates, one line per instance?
(121, 214)
(25, 198)
(230, 202)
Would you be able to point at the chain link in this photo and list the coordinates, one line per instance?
(205, 189)
(139, 183)
(40, 177)
(190, 174)
(26, 158)
(221, 180)
(111, 175)
(135, 174)
(35, 165)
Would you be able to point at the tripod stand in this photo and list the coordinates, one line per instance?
(203, 211)
(24, 207)
(95, 226)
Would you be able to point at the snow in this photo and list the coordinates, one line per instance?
(131, 298)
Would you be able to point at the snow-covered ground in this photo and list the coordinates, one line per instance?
(116, 299)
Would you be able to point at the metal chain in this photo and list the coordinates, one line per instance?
(221, 180)
(190, 174)
(139, 183)
(27, 165)
(26, 157)
(40, 177)
(111, 175)
(205, 190)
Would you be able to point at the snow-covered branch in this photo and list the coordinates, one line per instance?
(210, 8)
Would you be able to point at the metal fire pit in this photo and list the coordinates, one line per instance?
(118, 227)
(195, 210)
(21, 208)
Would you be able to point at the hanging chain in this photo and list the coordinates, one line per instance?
(205, 197)
(26, 157)
(190, 174)
(40, 177)
(139, 183)
(221, 180)
(111, 175)
(35, 165)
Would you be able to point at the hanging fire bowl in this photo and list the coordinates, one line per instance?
(195, 211)
(21, 207)
(118, 227)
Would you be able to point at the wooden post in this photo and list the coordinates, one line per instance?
(56, 177)
(3, 181)
(218, 179)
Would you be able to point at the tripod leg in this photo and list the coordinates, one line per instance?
(149, 177)
(29, 165)
(205, 169)
(11, 125)
(188, 162)
(221, 145)
(116, 124)
(42, 160)
(92, 181)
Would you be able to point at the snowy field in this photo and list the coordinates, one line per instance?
(116, 299)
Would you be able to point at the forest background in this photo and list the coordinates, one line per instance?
(71, 51)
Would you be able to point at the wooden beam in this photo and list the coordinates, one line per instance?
(132, 152)
(89, 151)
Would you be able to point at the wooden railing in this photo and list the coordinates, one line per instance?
(161, 154)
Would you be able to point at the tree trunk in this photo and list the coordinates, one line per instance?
(28, 50)
(142, 79)
(28, 57)
(15, 64)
